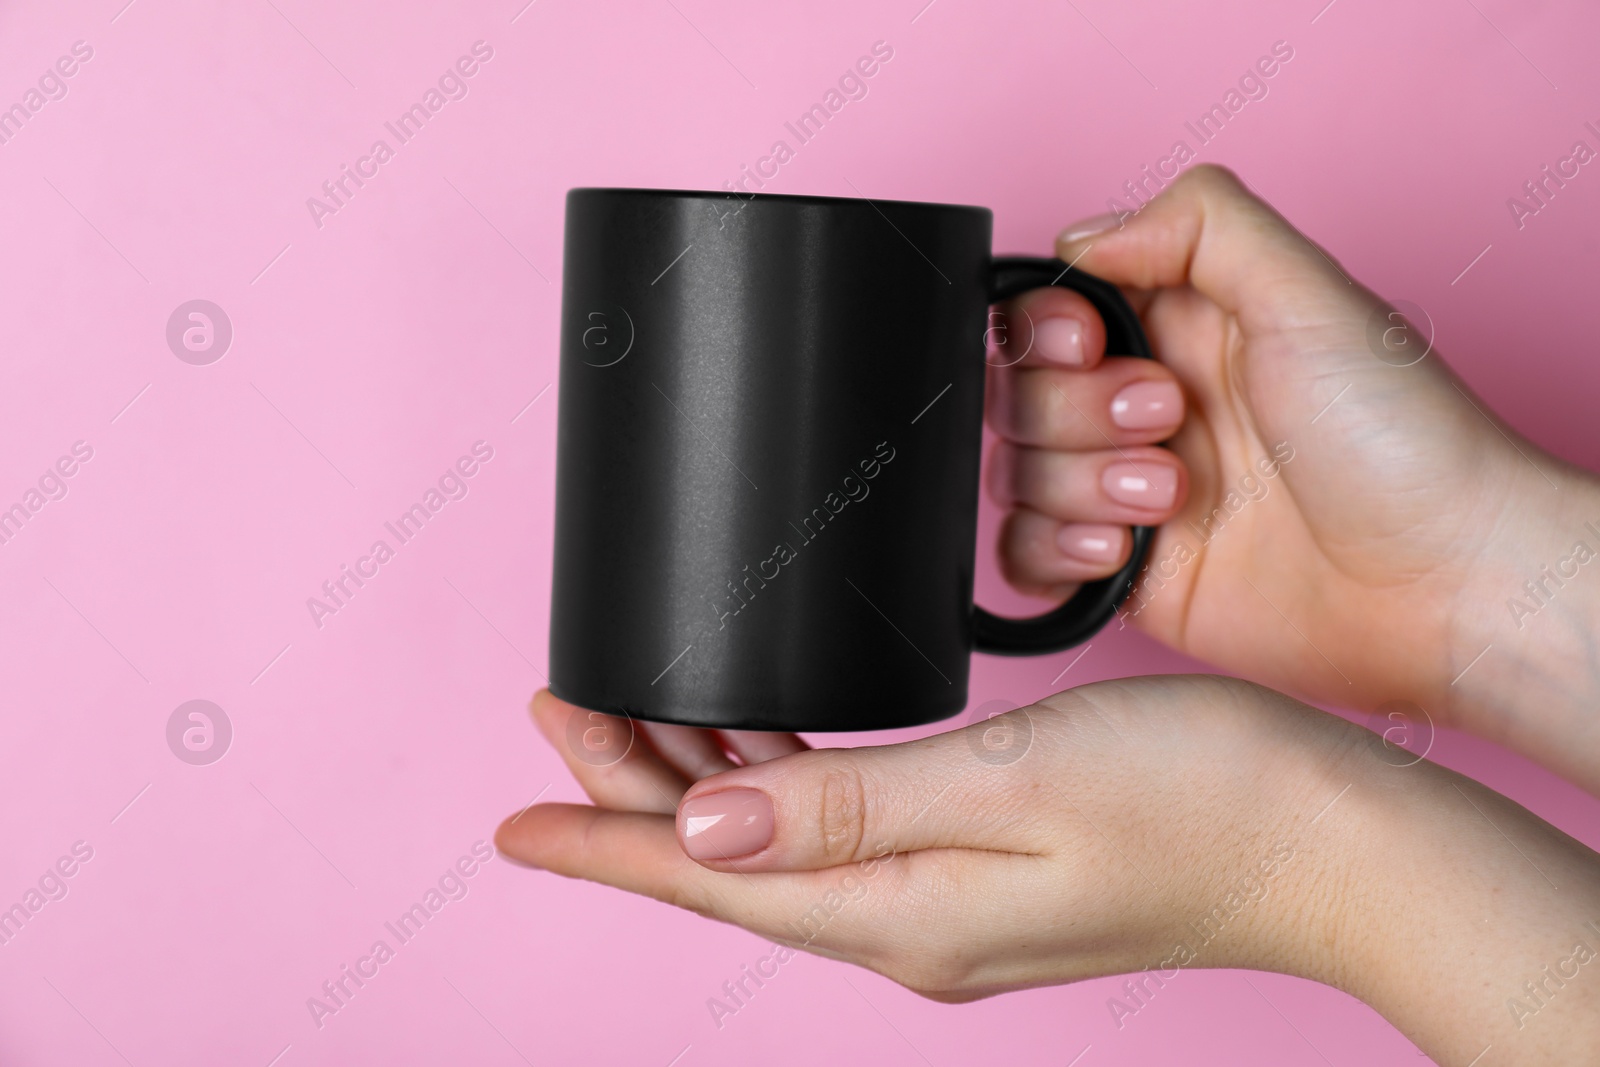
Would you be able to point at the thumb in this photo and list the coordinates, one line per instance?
(1208, 231)
(1315, 326)
(829, 807)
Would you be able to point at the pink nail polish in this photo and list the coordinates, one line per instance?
(725, 825)
(1152, 405)
(1152, 485)
(1060, 340)
(1089, 227)
(1091, 542)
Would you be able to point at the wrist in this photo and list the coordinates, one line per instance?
(1466, 898)
(1525, 633)
(1296, 845)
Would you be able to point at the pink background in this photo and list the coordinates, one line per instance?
(370, 352)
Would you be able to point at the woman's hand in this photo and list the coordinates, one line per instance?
(1345, 526)
(1144, 825)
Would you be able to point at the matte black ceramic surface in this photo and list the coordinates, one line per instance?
(768, 453)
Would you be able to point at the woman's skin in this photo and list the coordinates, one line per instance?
(1390, 544)
(1157, 824)
(1124, 822)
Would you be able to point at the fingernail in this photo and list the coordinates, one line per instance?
(1003, 475)
(506, 846)
(1089, 227)
(1153, 485)
(1060, 340)
(518, 861)
(726, 825)
(1090, 542)
(1150, 405)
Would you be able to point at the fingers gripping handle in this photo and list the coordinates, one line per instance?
(1094, 604)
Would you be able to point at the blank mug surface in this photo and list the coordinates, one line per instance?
(768, 451)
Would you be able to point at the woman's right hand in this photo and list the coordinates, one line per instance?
(1355, 524)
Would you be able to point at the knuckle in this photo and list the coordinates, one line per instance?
(842, 814)
(1213, 176)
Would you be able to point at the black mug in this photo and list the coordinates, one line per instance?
(767, 462)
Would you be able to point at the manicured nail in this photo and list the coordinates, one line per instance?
(1153, 485)
(1003, 475)
(726, 825)
(516, 860)
(1150, 405)
(1090, 542)
(1089, 227)
(1060, 340)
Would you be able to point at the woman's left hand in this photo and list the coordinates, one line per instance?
(1147, 824)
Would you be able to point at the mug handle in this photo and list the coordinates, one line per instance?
(1093, 605)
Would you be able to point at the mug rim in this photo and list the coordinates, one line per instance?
(793, 198)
